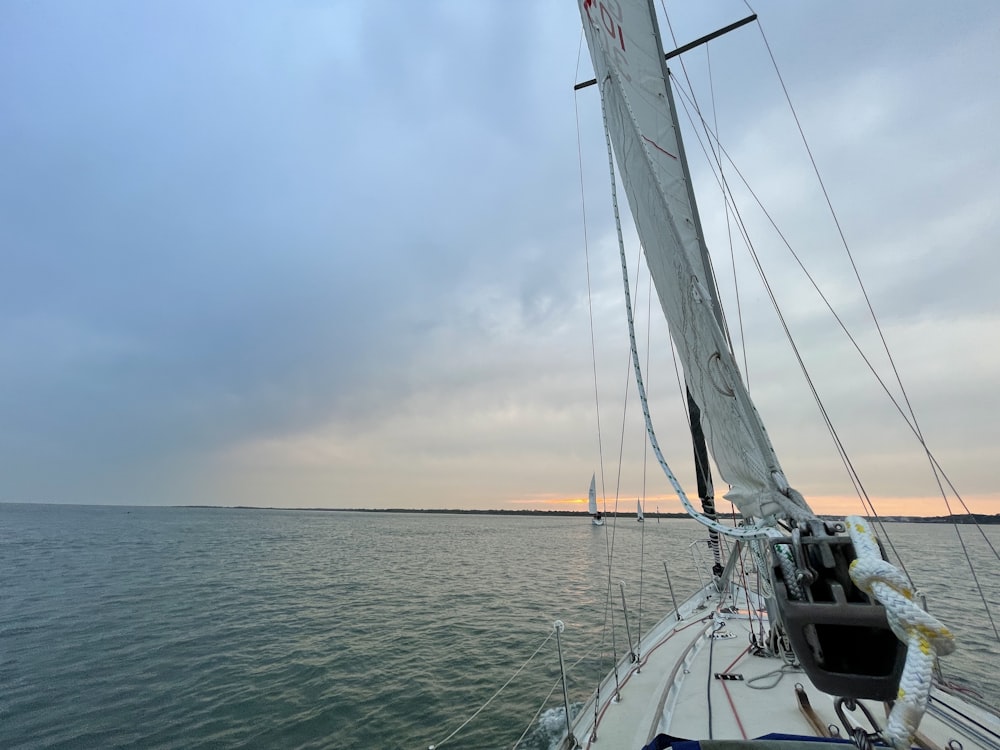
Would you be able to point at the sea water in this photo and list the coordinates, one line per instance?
(214, 628)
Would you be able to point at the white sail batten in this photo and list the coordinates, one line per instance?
(628, 62)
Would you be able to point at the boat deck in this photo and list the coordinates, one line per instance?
(696, 678)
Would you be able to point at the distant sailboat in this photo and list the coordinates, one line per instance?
(639, 515)
(595, 514)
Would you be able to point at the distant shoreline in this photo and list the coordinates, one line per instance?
(983, 519)
(980, 518)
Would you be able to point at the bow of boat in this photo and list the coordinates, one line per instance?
(704, 676)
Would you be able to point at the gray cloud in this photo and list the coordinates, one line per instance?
(279, 234)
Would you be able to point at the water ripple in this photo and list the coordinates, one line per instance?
(208, 628)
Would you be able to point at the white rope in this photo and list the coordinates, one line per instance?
(925, 637)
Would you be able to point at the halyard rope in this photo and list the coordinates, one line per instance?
(924, 635)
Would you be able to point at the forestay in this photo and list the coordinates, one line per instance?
(627, 54)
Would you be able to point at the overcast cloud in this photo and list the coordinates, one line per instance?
(332, 253)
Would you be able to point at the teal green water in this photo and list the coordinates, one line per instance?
(211, 628)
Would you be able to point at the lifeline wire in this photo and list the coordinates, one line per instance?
(490, 700)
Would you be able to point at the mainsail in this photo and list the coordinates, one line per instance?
(592, 496)
(629, 64)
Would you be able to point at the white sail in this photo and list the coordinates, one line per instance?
(628, 61)
(639, 515)
(592, 502)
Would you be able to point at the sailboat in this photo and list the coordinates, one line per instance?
(639, 515)
(830, 644)
(595, 515)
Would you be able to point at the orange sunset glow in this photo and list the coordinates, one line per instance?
(824, 505)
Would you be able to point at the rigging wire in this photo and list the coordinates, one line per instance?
(932, 461)
(910, 418)
(545, 700)
(914, 425)
(645, 455)
(593, 353)
(609, 608)
(710, 267)
(729, 225)
(885, 345)
(632, 358)
(847, 333)
(492, 697)
(715, 161)
(712, 139)
(703, 471)
(847, 248)
(590, 295)
(747, 532)
(714, 540)
(838, 443)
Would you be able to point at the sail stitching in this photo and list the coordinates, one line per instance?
(659, 148)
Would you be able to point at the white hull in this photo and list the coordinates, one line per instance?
(670, 691)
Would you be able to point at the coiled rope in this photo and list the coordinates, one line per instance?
(926, 638)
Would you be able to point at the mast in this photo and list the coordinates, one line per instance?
(703, 476)
(703, 472)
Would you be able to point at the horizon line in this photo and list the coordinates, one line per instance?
(964, 518)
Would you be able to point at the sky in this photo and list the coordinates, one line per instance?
(338, 254)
